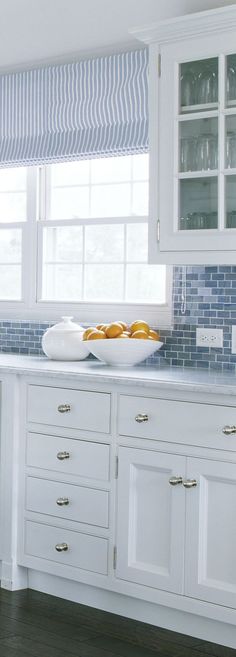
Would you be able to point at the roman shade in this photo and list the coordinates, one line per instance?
(84, 109)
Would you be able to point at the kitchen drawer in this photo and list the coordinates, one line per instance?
(75, 409)
(176, 421)
(66, 455)
(62, 500)
(84, 551)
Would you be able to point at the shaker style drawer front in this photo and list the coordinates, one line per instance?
(78, 503)
(66, 455)
(205, 425)
(66, 547)
(75, 409)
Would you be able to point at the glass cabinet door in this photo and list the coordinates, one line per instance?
(205, 144)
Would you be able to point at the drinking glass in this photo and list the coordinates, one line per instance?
(231, 219)
(231, 150)
(231, 82)
(187, 83)
(188, 154)
(207, 152)
(207, 86)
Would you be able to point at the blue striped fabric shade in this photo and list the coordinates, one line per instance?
(83, 109)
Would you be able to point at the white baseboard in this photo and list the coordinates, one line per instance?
(171, 619)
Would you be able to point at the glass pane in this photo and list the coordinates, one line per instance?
(230, 143)
(111, 169)
(12, 180)
(12, 206)
(111, 200)
(198, 204)
(199, 85)
(231, 81)
(199, 145)
(146, 283)
(104, 282)
(230, 199)
(10, 282)
(62, 282)
(137, 242)
(63, 244)
(10, 246)
(69, 203)
(104, 243)
(70, 173)
(140, 199)
(140, 167)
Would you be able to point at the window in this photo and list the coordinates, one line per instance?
(75, 236)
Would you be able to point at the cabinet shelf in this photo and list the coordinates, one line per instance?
(190, 175)
(202, 107)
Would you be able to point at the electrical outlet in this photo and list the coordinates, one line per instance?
(233, 348)
(206, 337)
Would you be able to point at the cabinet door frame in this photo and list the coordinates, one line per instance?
(167, 244)
(136, 572)
(197, 584)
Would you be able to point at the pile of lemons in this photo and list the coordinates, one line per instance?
(139, 330)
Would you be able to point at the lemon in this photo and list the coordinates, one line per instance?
(153, 335)
(87, 332)
(139, 325)
(96, 335)
(140, 335)
(113, 330)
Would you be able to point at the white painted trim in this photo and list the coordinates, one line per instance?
(146, 612)
(190, 26)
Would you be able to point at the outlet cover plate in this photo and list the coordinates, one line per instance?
(206, 337)
(233, 348)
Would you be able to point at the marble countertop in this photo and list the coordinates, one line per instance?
(150, 376)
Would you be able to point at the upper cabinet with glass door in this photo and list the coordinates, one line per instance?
(192, 107)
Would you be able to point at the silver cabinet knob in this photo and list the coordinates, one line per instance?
(189, 483)
(64, 408)
(174, 481)
(61, 547)
(141, 417)
(229, 430)
(61, 456)
(63, 501)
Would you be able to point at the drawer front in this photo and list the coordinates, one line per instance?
(84, 551)
(78, 503)
(74, 409)
(76, 457)
(176, 421)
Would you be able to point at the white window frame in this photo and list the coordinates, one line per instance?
(32, 307)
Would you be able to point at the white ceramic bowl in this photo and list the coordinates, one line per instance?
(115, 351)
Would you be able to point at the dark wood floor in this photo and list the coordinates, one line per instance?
(36, 625)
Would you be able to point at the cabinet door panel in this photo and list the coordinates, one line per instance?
(211, 532)
(150, 519)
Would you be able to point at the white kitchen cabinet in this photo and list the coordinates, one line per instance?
(210, 566)
(151, 515)
(192, 108)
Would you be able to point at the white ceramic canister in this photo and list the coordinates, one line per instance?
(63, 341)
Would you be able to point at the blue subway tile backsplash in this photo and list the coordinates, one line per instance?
(202, 296)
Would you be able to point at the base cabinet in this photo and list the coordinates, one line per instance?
(179, 537)
(210, 562)
(151, 511)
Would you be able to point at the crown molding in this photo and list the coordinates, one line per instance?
(198, 24)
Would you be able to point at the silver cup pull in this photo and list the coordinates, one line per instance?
(174, 481)
(63, 501)
(141, 417)
(61, 547)
(229, 430)
(61, 456)
(190, 483)
(64, 408)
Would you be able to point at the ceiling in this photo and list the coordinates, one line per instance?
(34, 31)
